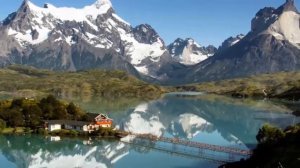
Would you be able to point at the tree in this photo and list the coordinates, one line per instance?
(48, 106)
(33, 115)
(269, 135)
(60, 113)
(74, 111)
(13, 117)
(2, 124)
(17, 103)
(49, 100)
(47, 110)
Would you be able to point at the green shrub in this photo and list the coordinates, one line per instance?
(27, 130)
(269, 135)
(73, 133)
(2, 124)
(42, 131)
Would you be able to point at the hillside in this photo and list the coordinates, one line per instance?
(276, 148)
(283, 85)
(28, 81)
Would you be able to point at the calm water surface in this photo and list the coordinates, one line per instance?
(203, 118)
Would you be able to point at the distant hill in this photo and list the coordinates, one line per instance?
(28, 81)
(284, 85)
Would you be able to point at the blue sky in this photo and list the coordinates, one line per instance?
(207, 21)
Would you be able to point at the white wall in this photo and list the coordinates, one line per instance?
(85, 128)
(106, 125)
(52, 127)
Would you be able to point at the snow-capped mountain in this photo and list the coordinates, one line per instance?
(230, 42)
(189, 52)
(62, 38)
(272, 45)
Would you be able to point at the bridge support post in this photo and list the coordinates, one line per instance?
(200, 151)
(174, 147)
(231, 157)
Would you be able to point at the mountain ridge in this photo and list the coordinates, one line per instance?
(46, 37)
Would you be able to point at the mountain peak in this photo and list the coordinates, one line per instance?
(267, 16)
(289, 1)
(25, 4)
(289, 5)
(188, 52)
(230, 42)
(103, 3)
(146, 34)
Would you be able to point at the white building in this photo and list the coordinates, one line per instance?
(52, 125)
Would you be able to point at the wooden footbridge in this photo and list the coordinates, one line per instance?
(185, 154)
(192, 144)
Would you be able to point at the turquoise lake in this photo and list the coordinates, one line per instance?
(202, 118)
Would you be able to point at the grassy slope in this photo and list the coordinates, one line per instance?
(24, 81)
(29, 81)
(280, 85)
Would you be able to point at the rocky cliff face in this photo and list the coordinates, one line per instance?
(272, 45)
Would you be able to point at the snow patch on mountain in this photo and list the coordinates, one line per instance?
(142, 69)
(140, 51)
(120, 19)
(189, 57)
(72, 14)
(28, 35)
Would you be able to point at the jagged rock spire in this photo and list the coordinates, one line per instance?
(24, 4)
(289, 5)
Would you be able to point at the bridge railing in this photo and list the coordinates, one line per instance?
(193, 144)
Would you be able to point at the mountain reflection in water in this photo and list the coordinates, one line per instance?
(203, 118)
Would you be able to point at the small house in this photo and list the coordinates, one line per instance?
(100, 120)
(103, 120)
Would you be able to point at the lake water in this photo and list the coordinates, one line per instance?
(196, 117)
